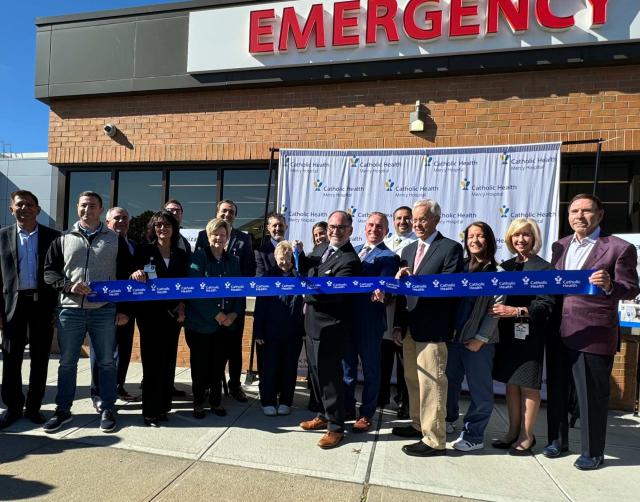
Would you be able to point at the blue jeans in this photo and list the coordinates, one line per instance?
(73, 324)
(478, 367)
(367, 345)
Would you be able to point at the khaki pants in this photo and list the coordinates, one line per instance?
(425, 365)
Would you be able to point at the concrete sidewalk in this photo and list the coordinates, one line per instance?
(247, 456)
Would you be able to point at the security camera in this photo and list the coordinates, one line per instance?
(110, 130)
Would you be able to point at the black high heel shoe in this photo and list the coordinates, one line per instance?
(151, 421)
(514, 452)
(503, 445)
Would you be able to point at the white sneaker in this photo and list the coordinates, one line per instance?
(283, 409)
(269, 411)
(464, 445)
(451, 427)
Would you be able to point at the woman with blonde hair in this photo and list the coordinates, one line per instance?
(209, 321)
(520, 352)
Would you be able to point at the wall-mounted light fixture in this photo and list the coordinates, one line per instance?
(417, 119)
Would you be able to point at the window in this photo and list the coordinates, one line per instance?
(197, 192)
(80, 181)
(248, 189)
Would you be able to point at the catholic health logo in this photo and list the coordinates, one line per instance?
(388, 185)
(304, 165)
(489, 190)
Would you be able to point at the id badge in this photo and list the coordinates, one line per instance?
(521, 330)
(150, 270)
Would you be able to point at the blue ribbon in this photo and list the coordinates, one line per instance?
(548, 282)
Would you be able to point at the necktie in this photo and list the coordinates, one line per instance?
(419, 256)
(327, 254)
(364, 252)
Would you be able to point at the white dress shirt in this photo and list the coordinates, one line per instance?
(397, 243)
(578, 251)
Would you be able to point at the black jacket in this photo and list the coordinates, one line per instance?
(430, 319)
(48, 297)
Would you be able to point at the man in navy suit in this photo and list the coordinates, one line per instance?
(239, 245)
(27, 306)
(265, 260)
(428, 323)
(365, 338)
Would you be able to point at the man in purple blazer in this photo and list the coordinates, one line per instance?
(589, 325)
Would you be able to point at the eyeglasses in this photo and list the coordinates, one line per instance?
(338, 228)
(162, 224)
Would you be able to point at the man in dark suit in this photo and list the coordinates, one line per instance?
(365, 338)
(265, 260)
(27, 308)
(239, 245)
(589, 326)
(428, 323)
(327, 322)
(117, 219)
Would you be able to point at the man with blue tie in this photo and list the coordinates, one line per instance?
(365, 338)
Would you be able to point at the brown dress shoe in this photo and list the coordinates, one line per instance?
(330, 440)
(315, 424)
(363, 424)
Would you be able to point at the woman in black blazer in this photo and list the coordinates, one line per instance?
(159, 321)
(278, 328)
(520, 352)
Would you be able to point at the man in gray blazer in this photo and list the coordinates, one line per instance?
(428, 323)
(589, 326)
(26, 315)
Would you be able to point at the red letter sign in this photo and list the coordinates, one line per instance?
(459, 11)
(517, 17)
(413, 30)
(257, 30)
(548, 19)
(315, 23)
(385, 20)
(598, 12)
(341, 21)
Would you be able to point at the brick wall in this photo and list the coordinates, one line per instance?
(623, 377)
(242, 124)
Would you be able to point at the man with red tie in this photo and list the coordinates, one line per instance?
(427, 324)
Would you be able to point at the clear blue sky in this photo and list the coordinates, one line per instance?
(23, 119)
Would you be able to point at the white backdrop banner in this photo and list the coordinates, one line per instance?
(493, 184)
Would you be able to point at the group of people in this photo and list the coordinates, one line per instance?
(435, 342)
